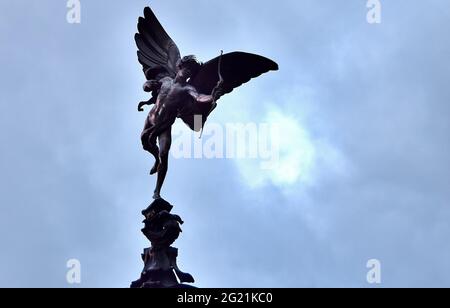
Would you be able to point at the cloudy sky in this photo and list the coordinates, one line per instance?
(364, 167)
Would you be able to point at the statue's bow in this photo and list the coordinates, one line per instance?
(219, 71)
(220, 67)
(214, 104)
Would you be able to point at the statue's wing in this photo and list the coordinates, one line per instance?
(157, 52)
(236, 68)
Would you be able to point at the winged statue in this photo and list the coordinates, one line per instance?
(183, 87)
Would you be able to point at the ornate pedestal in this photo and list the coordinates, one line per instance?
(162, 229)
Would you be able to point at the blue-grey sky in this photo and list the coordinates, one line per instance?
(366, 112)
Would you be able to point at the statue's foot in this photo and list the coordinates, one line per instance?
(155, 168)
(156, 196)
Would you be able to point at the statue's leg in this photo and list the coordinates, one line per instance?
(149, 144)
(165, 142)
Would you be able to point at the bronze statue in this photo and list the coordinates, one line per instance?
(183, 87)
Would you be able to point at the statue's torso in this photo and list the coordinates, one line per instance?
(172, 98)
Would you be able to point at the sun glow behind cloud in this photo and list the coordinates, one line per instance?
(301, 157)
(296, 157)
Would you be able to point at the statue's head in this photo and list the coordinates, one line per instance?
(188, 67)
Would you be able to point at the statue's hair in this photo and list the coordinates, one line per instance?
(191, 63)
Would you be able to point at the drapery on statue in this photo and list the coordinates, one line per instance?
(183, 87)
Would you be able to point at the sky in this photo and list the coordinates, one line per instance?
(364, 166)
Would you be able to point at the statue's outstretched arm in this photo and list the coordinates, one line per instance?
(151, 101)
(205, 98)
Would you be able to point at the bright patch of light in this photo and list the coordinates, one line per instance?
(296, 154)
(297, 151)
